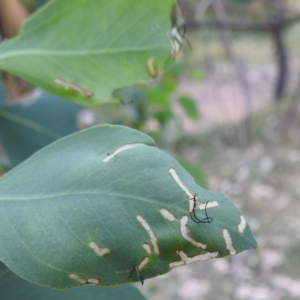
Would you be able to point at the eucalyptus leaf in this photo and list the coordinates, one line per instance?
(83, 50)
(13, 287)
(95, 205)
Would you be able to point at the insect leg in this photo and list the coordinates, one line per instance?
(138, 274)
(195, 218)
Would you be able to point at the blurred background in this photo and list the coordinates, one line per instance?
(228, 110)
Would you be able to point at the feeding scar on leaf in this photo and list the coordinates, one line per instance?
(167, 215)
(150, 232)
(192, 200)
(183, 228)
(228, 242)
(92, 281)
(188, 260)
(141, 199)
(209, 205)
(242, 225)
(70, 86)
(123, 148)
(99, 251)
(143, 263)
(185, 233)
(147, 248)
(184, 188)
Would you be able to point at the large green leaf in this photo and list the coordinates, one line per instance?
(13, 287)
(83, 50)
(26, 129)
(92, 205)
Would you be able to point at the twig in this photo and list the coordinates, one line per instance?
(245, 26)
(227, 42)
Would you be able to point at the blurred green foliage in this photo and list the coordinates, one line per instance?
(196, 171)
(24, 129)
(33, 5)
(189, 106)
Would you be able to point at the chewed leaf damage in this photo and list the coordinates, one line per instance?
(115, 210)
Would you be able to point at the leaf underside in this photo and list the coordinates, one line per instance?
(83, 50)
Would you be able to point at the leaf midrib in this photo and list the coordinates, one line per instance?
(80, 53)
(80, 193)
(30, 124)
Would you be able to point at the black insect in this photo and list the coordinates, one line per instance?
(207, 219)
(138, 274)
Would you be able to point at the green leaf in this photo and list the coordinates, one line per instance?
(92, 205)
(189, 106)
(13, 287)
(26, 129)
(83, 50)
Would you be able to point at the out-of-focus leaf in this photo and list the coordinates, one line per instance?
(196, 74)
(189, 106)
(130, 95)
(26, 129)
(92, 205)
(2, 95)
(13, 287)
(196, 171)
(83, 50)
(159, 95)
(33, 5)
(241, 1)
(41, 2)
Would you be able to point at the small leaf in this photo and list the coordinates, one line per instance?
(83, 50)
(26, 129)
(13, 287)
(96, 203)
(189, 106)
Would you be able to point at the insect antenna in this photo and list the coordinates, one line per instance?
(195, 219)
(138, 274)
